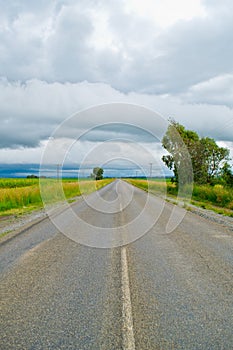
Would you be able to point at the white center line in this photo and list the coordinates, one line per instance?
(128, 333)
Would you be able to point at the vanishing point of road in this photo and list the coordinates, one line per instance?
(162, 291)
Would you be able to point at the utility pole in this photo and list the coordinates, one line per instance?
(58, 171)
(150, 170)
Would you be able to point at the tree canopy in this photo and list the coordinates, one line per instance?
(97, 173)
(208, 161)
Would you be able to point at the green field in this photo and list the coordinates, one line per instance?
(217, 198)
(21, 195)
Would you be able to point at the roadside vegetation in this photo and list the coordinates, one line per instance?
(217, 197)
(16, 183)
(22, 195)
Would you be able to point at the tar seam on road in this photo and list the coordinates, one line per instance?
(128, 333)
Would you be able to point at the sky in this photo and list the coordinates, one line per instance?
(59, 58)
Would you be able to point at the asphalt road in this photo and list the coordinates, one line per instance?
(163, 291)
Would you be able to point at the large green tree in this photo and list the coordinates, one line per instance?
(178, 142)
(184, 147)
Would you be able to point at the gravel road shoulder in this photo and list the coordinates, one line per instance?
(12, 225)
(226, 221)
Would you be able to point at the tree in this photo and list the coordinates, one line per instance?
(32, 177)
(97, 173)
(207, 158)
(176, 141)
(213, 158)
(227, 175)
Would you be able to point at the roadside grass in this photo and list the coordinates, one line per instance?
(209, 206)
(156, 186)
(217, 198)
(16, 183)
(3, 234)
(18, 196)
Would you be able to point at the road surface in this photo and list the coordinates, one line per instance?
(162, 291)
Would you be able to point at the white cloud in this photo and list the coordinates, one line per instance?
(166, 13)
(218, 90)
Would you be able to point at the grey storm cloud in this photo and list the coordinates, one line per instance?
(52, 65)
(56, 45)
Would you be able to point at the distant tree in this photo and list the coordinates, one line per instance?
(207, 158)
(97, 173)
(32, 177)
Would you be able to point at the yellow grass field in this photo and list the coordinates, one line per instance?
(20, 195)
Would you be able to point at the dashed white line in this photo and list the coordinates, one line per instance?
(128, 332)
